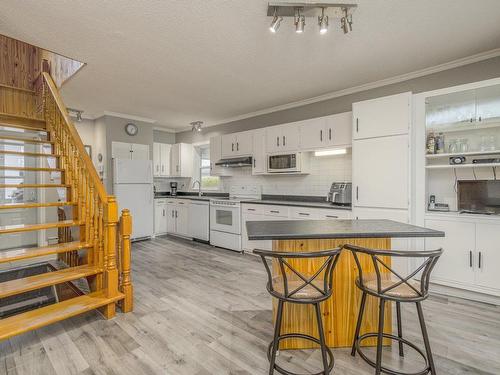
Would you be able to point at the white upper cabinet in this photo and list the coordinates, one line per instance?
(283, 137)
(140, 152)
(390, 115)
(215, 156)
(123, 150)
(181, 160)
(237, 144)
(259, 152)
(156, 159)
(330, 131)
(161, 159)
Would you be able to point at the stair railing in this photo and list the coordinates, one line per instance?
(96, 211)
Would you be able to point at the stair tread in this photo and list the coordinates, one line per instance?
(30, 169)
(43, 316)
(26, 284)
(32, 227)
(33, 252)
(34, 154)
(34, 186)
(35, 205)
(26, 140)
(22, 122)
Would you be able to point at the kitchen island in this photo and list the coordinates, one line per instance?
(339, 311)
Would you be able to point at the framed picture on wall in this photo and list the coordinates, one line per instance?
(88, 149)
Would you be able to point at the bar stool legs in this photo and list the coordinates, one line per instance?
(380, 336)
(276, 341)
(400, 328)
(427, 344)
(322, 338)
(358, 323)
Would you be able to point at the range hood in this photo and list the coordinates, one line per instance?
(235, 162)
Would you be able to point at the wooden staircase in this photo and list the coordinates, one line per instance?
(94, 243)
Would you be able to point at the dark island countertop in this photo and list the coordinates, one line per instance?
(321, 229)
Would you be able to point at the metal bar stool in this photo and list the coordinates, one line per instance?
(391, 286)
(294, 286)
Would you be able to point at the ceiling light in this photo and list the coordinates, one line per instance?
(76, 113)
(196, 126)
(346, 21)
(275, 24)
(323, 22)
(300, 22)
(338, 151)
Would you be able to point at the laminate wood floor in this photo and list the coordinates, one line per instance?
(202, 310)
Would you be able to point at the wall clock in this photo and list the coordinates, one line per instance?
(131, 129)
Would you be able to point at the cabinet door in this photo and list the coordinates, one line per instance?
(140, 152)
(380, 117)
(157, 159)
(274, 141)
(380, 172)
(313, 133)
(290, 136)
(215, 156)
(182, 216)
(160, 218)
(248, 245)
(165, 159)
(171, 220)
(488, 255)
(228, 145)
(338, 129)
(456, 265)
(244, 143)
(121, 150)
(186, 160)
(259, 152)
(175, 158)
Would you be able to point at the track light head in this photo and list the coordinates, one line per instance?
(346, 22)
(275, 24)
(196, 126)
(300, 22)
(323, 22)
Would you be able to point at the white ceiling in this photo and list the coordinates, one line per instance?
(176, 61)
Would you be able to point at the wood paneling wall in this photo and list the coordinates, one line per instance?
(61, 68)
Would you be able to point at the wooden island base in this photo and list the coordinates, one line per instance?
(340, 312)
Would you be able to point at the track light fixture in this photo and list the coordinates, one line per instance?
(300, 22)
(76, 113)
(324, 11)
(346, 21)
(196, 126)
(323, 22)
(275, 24)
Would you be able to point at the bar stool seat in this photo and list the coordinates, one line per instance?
(402, 290)
(312, 290)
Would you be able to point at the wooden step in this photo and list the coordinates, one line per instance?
(29, 154)
(11, 206)
(22, 122)
(7, 256)
(14, 88)
(26, 284)
(32, 227)
(43, 316)
(31, 169)
(25, 140)
(34, 186)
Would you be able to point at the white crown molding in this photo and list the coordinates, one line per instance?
(165, 129)
(368, 86)
(129, 117)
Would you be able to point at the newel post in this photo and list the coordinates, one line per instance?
(126, 285)
(111, 271)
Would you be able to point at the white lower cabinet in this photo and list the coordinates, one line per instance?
(471, 254)
(160, 210)
(178, 217)
(199, 220)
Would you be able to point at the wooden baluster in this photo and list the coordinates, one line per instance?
(111, 274)
(127, 304)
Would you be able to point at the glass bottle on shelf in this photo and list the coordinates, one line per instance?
(453, 147)
(431, 143)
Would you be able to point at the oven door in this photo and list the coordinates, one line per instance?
(225, 219)
(283, 163)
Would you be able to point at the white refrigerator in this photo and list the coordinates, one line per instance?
(133, 188)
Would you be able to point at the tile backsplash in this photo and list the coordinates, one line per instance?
(323, 171)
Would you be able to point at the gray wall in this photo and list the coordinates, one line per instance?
(163, 137)
(479, 71)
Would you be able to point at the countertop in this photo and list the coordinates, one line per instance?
(294, 203)
(321, 229)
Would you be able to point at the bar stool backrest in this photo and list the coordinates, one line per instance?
(383, 272)
(293, 285)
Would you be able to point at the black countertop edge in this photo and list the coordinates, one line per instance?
(341, 235)
(191, 195)
(293, 203)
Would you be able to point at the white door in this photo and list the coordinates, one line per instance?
(156, 159)
(380, 117)
(165, 159)
(313, 133)
(228, 145)
(290, 136)
(186, 160)
(488, 255)
(171, 220)
(160, 217)
(338, 130)
(259, 152)
(274, 142)
(244, 143)
(140, 152)
(175, 154)
(380, 172)
(121, 150)
(182, 218)
(457, 264)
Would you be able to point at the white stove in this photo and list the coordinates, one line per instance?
(225, 216)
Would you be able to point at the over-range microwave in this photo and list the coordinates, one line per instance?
(292, 162)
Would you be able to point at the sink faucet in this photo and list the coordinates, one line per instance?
(199, 187)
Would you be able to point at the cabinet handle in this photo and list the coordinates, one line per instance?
(330, 134)
(237, 146)
(357, 193)
(278, 141)
(321, 135)
(250, 209)
(284, 140)
(163, 212)
(332, 216)
(274, 212)
(176, 213)
(304, 214)
(480, 260)
(254, 162)
(470, 259)
(480, 120)
(232, 147)
(357, 125)
(172, 213)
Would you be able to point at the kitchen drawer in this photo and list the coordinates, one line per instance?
(255, 209)
(278, 211)
(333, 214)
(304, 213)
(160, 201)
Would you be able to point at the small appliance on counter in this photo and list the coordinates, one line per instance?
(440, 207)
(173, 189)
(340, 194)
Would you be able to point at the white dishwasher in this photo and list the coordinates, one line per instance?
(199, 220)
